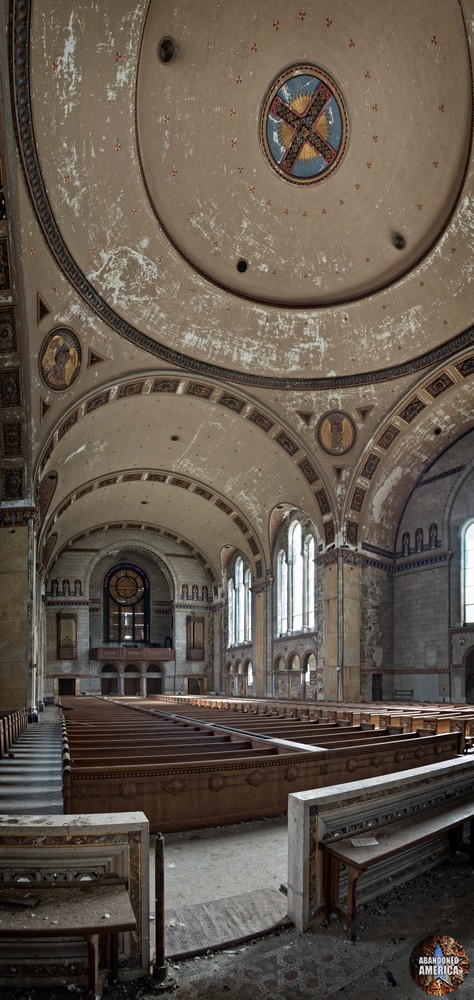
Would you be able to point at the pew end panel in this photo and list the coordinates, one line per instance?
(103, 853)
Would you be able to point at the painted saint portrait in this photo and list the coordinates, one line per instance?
(60, 359)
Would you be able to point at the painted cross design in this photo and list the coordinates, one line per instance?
(304, 127)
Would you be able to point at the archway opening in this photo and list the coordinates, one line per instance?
(109, 680)
(131, 680)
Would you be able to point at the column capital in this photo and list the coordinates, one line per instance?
(12, 517)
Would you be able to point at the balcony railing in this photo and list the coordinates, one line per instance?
(131, 653)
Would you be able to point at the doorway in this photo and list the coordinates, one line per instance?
(154, 680)
(470, 677)
(109, 680)
(131, 681)
(66, 685)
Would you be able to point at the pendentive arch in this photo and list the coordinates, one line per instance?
(416, 416)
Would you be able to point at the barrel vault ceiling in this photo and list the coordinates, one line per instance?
(236, 264)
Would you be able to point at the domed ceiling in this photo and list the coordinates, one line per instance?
(240, 239)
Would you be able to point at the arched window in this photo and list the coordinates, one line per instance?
(126, 605)
(468, 573)
(239, 600)
(231, 613)
(296, 582)
(249, 669)
(282, 594)
(296, 569)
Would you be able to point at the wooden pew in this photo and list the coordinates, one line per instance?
(13, 722)
(186, 790)
(409, 815)
(392, 841)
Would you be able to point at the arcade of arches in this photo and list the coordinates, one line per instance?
(236, 351)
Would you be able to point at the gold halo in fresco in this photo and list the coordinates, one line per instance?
(304, 125)
(336, 432)
(60, 359)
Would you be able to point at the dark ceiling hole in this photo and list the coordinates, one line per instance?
(166, 49)
(174, 437)
(399, 241)
(437, 430)
(242, 265)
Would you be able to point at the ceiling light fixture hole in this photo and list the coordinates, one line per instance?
(399, 241)
(242, 265)
(166, 49)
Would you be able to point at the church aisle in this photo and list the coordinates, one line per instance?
(31, 780)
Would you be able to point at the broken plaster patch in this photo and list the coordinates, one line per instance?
(122, 268)
(384, 490)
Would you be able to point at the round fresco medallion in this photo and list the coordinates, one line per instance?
(304, 125)
(60, 359)
(336, 432)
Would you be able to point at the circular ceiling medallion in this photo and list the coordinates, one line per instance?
(60, 359)
(304, 125)
(336, 432)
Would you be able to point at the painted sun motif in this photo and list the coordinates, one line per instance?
(304, 125)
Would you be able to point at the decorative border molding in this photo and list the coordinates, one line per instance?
(18, 517)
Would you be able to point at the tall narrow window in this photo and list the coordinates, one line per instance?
(239, 604)
(282, 593)
(248, 605)
(231, 613)
(240, 600)
(468, 565)
(296, 564)
(127, 605)
(309, 582)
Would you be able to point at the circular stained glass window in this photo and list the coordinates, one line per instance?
(126, 587)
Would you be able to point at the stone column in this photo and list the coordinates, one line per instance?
(351, 629)
(341, 640)
(261, 605)
(17, 671)
(330, 626)
(217, 650)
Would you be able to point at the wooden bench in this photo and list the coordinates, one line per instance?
(393, 840)
(94, 911)
(392, 809)
(403, 694)
(12, 724)
(185, 789)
